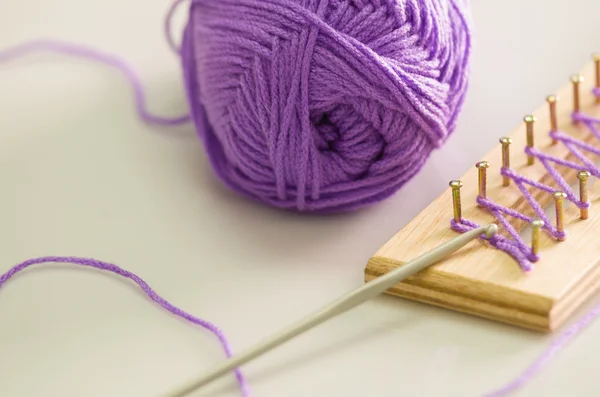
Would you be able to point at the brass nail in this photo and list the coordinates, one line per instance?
(536, 228)
(456, 185)
(552, 99)
(482, 168)
(597, 65)
(583, 194)
(505, 158)
(559, 198)
(576, 79)
(529, 120)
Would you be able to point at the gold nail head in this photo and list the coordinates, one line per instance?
(529, 121)
(583, 194)
(456, 185)
(597, 65)
(559, 198)
(482, 167)
(505, 158)
(536, 228)
(552, 99)
(576, 79)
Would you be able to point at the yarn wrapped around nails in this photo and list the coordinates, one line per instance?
(324, 105)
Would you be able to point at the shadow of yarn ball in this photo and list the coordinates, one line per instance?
(324, 106)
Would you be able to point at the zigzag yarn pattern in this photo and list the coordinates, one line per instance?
(515, 246)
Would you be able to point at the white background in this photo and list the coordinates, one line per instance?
(80, 175)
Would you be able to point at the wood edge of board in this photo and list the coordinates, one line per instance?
(451, 292)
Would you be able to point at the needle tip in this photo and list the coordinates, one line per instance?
(491, 231)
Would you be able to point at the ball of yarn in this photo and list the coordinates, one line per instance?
(324, 105)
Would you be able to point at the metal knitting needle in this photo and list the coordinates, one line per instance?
(350, 300)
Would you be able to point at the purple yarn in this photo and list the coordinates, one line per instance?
(324, 106)
(93, 263)
(547, 355)
(79, 51)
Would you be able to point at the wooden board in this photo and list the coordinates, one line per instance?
(486, 282)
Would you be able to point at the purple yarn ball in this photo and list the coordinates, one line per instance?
(324, 106)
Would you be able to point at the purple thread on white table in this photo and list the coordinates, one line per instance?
(545, 357)
(78, 51)
(521, 380)
(93, 263)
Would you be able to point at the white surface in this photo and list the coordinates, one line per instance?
(82, 176)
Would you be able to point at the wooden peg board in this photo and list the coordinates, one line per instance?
(486, 282)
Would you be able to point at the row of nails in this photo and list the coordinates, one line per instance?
(559, 197)
(536, 224)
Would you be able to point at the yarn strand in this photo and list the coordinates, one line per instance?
(150, 293)
(167, 26)
(558, 344)
(78, 51)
